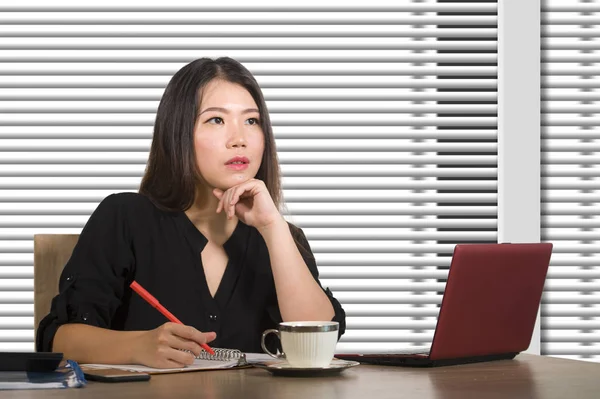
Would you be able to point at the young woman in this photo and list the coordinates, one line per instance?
(204, 236)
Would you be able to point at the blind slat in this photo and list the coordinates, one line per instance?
(285, 158)
(267, 82)
(306, 119)
(283, 145)
(16, 298)
(305, 221)
(580, 350)
(18, 323)
(287, 171)
(238, 43)
(280, 132)
(273, 94)
(224, 30)
(307, 6)
(295, 197)
(298, 208)
(237, 18)
(357, 65)
(275, 107)
(327, 185)
(18, 272)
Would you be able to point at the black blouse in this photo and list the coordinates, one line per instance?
(128, 238)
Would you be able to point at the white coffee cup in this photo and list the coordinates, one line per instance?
(305, 343)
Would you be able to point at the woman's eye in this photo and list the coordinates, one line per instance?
(216, 120)
(252, 121)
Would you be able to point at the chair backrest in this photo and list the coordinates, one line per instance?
(50, 254)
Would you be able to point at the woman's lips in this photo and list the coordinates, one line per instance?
(237, 166)
(238, 163)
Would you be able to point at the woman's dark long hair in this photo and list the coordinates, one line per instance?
(172, 172)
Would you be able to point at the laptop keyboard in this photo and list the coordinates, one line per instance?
(413, 351)
(399, 352)
(417, 350)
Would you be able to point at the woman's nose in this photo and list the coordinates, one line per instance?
(237, 138)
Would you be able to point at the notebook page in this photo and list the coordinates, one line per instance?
(198, 364)
(253, 358)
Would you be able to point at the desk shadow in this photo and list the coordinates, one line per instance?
(491, 380)
(213, 384)
(277, 387)
(246, 383)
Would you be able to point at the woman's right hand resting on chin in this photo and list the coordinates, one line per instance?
(170, 345)
(163, 347)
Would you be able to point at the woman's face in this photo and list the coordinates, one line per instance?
(228, 138)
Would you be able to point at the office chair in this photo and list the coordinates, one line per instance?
(50, 254)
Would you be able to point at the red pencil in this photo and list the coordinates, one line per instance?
(154, 302)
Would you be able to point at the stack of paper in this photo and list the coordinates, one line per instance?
(199, 364)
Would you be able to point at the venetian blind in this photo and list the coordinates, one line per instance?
(384, 117)
(570, 180)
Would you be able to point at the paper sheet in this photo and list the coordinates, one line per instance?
(198, 365)
(251, 358)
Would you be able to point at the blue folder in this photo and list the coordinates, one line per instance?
(67, 376)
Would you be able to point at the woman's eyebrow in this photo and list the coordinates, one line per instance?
(226, 111)
(219, 109)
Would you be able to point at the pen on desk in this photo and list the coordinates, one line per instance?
(154, 302)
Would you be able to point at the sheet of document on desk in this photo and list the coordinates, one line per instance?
(197, 365)
(253, 358)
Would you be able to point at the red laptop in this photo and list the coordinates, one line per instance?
(488, 310)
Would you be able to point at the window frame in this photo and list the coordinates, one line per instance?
(519, 128)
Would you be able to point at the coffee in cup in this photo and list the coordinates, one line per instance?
(305, 343)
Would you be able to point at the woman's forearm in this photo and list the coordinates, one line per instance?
(90, 344)
(300, 297)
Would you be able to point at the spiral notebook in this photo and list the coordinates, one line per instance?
(222, 359)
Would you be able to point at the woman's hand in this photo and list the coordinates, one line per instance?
(250, 202)
(171, 345)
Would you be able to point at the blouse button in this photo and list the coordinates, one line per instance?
(212, 317)
(70, 277)
(85, 316)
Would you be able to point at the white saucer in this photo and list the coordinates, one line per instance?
(283, 368)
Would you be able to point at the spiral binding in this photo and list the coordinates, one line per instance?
(223, 355)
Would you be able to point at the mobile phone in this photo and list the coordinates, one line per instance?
(114, 375)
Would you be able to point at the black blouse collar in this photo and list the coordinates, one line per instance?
(235, 247)
(235, 244)
(238, 241)
(194, 237)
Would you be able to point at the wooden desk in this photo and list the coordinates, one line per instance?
(527, 376)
